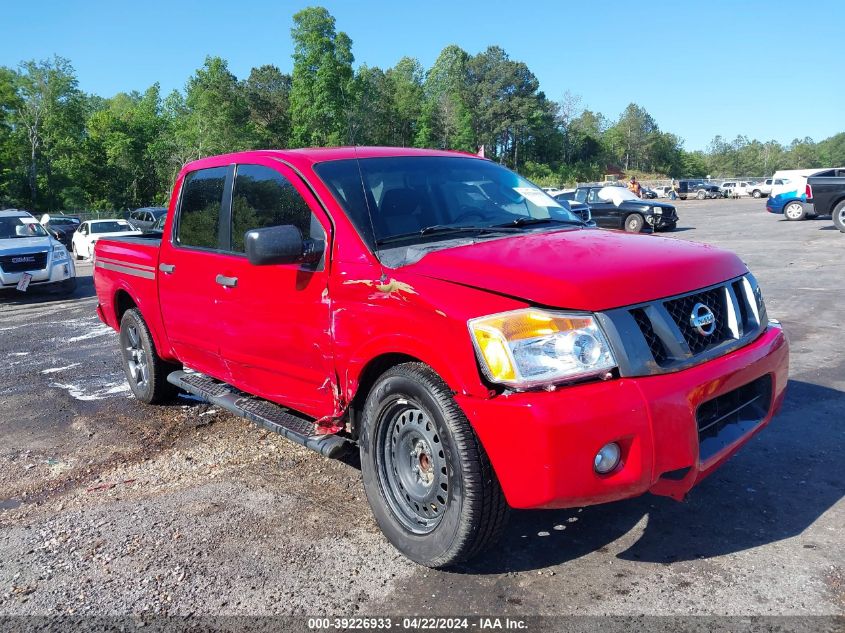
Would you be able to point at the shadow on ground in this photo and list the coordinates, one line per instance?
(46, 294)
(773, 489)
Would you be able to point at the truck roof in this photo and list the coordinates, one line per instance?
(313, 155)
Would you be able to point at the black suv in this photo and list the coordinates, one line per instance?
(617, 208)
(698, 189)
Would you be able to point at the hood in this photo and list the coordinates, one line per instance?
(582, 269)
(24, 245)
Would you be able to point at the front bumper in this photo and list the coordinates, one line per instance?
(53, 273)
(542, 444)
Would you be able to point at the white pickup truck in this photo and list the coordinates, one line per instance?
(29, 256)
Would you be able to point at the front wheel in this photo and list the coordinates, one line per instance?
(145, 371)
(794, 211)
(701, 195)
(757, 194)
(634, 223)
(427, 477)
(839, 216)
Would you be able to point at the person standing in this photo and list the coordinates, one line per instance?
(673, 192)
(634, 187)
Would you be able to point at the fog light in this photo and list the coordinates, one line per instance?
(607, 458)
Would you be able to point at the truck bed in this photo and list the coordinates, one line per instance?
(129, 264)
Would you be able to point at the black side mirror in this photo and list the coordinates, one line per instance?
(280, 245)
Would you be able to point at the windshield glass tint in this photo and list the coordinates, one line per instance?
(110, 227)
(11, 228)
(409, 193)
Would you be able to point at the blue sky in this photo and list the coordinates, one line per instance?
(769, 70)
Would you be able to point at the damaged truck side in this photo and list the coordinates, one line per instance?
(481, 346)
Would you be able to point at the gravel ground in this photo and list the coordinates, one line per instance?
(111, 507)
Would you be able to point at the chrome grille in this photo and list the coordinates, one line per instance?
(681, 310)
(659, 336)
(22, 262)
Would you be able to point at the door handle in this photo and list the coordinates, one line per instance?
(166, 268)
(227, 282)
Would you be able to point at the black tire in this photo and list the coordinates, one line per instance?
(794, 211)
(757, 193)
(839, 216)
(444, 505)
(634, 223)
(145, 371)
(701, 195)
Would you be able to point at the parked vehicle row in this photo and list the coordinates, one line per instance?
(480, 346)
(793, 196)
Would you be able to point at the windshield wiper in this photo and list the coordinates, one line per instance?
(526, 221)
(439, 229)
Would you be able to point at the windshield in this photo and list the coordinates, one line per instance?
(617, 195)
(115, 226)
(11, 228)
(409, 196)
(64, 221)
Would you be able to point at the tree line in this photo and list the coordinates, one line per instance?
(61, 148)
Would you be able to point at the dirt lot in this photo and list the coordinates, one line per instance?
(108, 506)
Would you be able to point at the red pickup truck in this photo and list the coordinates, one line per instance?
(483, 347)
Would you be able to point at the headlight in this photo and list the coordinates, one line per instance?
(657, 211)
(530, 347)
(59, 252)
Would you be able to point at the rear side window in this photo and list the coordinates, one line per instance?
(199, 211)
(263, 197)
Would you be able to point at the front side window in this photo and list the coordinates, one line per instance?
(263, 197)
(199, 210)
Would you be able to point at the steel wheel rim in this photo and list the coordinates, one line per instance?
(413, 473)
(841, 216)
(136, 358)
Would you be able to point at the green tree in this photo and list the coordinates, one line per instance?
(405, 84)
(445, 117)
(49, 117)
(322, 78)
(267, 93)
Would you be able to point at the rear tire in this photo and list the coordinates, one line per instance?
(839, 216)
(145, 371)
(701, 195)
(757, 194)
(794, 211)
(634, 223)
(429, 482)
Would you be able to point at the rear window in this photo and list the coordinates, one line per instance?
(199, 210)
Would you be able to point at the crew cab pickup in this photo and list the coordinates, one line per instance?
(483, 348)
(827, 195)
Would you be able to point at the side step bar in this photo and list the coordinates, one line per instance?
(262, 412)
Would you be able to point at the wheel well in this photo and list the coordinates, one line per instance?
(369, 375)
(122, 302)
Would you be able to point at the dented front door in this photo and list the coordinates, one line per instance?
(276, 339)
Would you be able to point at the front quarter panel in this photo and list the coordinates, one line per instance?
(407, 314)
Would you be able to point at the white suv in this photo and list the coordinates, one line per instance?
(30, 256)
(735, 188)
(763, 188)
